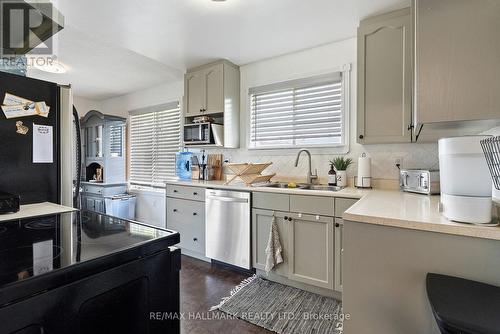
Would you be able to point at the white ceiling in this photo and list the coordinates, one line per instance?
(114, 47)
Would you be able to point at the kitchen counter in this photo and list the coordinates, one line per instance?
(38, 209)
(378, 207)
(346, 192)
(412, 211)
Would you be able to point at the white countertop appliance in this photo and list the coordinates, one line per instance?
(421, 181)
(227, 228)
(465, 180)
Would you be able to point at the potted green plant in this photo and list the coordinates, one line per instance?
(341, 164)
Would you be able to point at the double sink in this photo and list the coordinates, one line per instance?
(303, 186)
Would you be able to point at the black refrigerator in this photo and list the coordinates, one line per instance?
(33, 182)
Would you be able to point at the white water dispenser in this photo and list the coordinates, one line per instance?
(465, 180)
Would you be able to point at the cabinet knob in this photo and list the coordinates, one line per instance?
(175, 191)
(337, 225)
(361, 136)
(195, 214)
(317, 217)
(286, 217)
(195, 194)
(174, 210)
(195, 239)
(290, 219)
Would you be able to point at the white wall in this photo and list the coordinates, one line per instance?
(84, 105)
(160, 94)
(311, 62)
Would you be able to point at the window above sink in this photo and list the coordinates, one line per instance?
(308, 112)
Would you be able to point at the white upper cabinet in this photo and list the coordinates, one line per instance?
(214, 89)
(457, 60)
(385, 78)
(208, 87)
(195, 92)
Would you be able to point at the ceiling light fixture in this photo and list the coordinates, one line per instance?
(219, 0)
(52, 66)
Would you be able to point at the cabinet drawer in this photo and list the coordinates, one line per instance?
(192, 234)
(271, 201)
(314, 205)
(96, 190)
(186, 192)
(342, 204)
(182, 210)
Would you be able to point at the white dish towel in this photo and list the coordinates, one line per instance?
(273, 249)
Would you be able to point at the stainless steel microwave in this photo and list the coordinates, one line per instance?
(202, 134)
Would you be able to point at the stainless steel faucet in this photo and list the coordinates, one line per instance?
(310, 175)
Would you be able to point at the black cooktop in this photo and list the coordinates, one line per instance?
(73, 244)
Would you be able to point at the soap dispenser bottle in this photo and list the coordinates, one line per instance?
(332, 176)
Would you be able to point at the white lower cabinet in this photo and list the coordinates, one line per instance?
(307, 242)
(186, 215)
(312, 243)
(261, 225)
(311, 250)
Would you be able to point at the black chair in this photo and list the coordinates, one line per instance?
(462, 306)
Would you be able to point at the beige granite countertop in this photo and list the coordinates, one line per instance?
(38, 209)
(380, 207)
(412, 211)
(346, 192)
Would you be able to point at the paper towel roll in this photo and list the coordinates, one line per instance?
(364, 171)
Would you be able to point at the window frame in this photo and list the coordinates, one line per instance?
(155, 184)
(341, 148)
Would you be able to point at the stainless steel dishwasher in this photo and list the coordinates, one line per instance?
(227, 227)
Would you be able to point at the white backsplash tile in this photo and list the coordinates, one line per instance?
(383, 157)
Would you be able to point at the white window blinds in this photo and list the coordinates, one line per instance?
(306, 112)
(154, 140)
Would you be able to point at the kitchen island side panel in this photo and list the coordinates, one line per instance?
(385, 268)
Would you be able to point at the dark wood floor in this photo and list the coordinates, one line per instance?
(203, 286)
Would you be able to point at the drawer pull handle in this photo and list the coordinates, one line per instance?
(175, 210)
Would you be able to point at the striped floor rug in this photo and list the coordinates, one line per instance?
(282, 309)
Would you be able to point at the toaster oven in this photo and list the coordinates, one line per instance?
(420, 181)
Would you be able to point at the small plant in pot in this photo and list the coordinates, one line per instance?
(341, 164)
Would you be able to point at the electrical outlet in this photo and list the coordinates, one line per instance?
(398, 161)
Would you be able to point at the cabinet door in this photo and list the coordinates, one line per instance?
(99, 205)
(214, 77)
(195, 93)
(311, 250)
(385, 79)
(88, 203)
(339, 253)
(90, 139)
(261, 226)
(457, 59)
